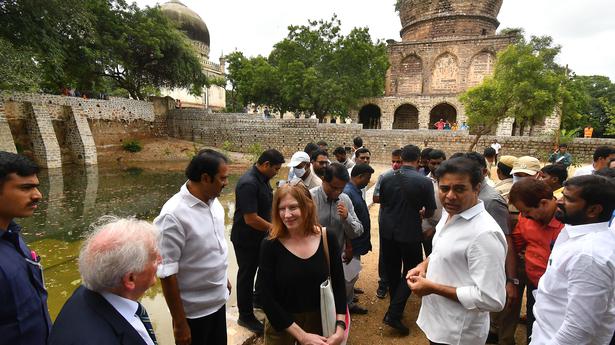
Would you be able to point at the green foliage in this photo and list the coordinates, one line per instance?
(132, 146)
(255, 150)
(102, 45)
(18, 71)
(593, 102)
(526, 85)
(566, 136)
(315, 69)
(228, 146)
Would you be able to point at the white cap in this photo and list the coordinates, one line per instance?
(298, 158)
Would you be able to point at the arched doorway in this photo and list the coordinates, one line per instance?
(442, 111)
(369, 116)
(406, 117)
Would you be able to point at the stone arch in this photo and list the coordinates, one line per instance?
(369, 116)
(406, 117)
(445, 74)
(445, 111)
(481, 65)
(410, 76)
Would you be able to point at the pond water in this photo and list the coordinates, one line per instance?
(75, 197)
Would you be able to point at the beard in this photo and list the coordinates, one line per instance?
(565, 217)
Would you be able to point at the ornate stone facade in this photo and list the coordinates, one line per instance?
(447, 47)
(188, 21)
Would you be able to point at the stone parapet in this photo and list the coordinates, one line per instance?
(113, 109)
(6, 138)
(243, 133)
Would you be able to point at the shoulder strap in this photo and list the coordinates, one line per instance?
(323, 232)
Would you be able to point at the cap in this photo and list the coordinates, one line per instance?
(509, 161)
(298, 158)
(526, 164)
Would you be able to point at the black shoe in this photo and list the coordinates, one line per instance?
(250, 322)
(381, 292)
(397, 324)
(358, 291)
(356, 309)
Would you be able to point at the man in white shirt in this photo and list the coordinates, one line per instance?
(575, 299)
(497, 147)
(194, 265)
(118, 264)
(602, 156)
(463, 279)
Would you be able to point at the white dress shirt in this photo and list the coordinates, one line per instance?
(468, 254)
(192, 245)
(575, 299)
(585, 170)
(128, 309)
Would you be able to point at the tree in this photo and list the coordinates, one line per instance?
(18, 71)
(527, 85)
(102, 45)
(314, 70)
(137, 49)
(598, 95)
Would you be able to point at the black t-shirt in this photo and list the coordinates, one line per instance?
(253, 194)
(402, 195)
(289, 284)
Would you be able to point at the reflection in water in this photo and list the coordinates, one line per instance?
(75, 197)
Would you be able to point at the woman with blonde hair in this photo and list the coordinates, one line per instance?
(292, 267)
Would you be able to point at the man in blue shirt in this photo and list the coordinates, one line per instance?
(24, 319)
(359, 179)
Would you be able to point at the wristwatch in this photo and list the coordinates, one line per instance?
(341, 324)
(515, 281)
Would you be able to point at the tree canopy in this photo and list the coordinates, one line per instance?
(526, 85)
(314, 70)
(100, 45)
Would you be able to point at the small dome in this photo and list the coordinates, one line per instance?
(187, 20)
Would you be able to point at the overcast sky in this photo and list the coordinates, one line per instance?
(584, 29)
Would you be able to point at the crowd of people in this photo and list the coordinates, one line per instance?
(467, 240)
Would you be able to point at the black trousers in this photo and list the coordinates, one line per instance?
(247, 262)
(399, 258)
(529, 305)
(382, 273)
(210, 329)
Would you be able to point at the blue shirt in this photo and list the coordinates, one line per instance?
(362, 244)
(24, 319)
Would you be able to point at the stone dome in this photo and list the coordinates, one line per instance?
(188, 21)
(428, 19)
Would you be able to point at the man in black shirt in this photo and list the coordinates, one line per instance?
(251, 222)
(405, 196)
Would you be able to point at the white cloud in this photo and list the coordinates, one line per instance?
(585, 29)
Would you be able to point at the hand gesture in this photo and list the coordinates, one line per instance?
(420, 285)
(313, 339)
(418, 271)
(342, 210)
(336, 338)
(181, 331)
(512, 295)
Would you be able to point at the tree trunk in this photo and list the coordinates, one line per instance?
(477, 137)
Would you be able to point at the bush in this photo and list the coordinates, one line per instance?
(255, 150)
(132, 146)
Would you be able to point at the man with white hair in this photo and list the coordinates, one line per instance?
(118, 262)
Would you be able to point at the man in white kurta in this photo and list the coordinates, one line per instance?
(575, 299)
(463, 279)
